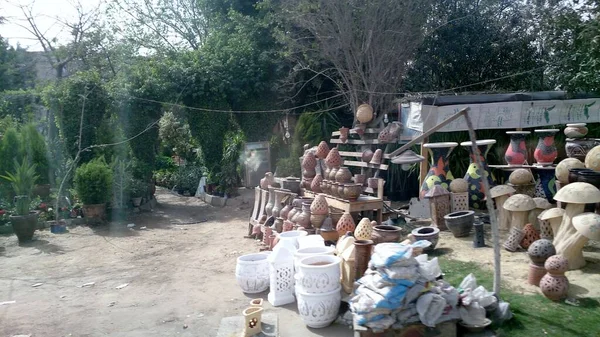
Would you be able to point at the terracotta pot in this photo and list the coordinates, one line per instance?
(278, 225)
(332, 174)
(309, 174)
(377, 157)
(326, 186)
(343, 175)
(335, 216)
(319, 310)
(330, 235)
(460, 223)
(316, 220)
(334, 159)
(384, 233)
(530, 236)
(430, 233)
(24, 226)
(340, 190)
(360, 179)
(535, 274)
(352, 191)
(315, 186)
(364, 113)
(319, 205)
(322, 150)
(303, 218)
(252, 273)
(285, 211)
(367, 155)
(344, 134)
(540, 251)
(362, 257)
(345, 224)
(333, 189)
(554, 285)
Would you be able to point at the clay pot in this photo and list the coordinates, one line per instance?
(384, 233)
(332, 174)
(460, 223)
(287, 226)
(316, 220)
(344, 134)
(306, 182)
(335, 216)
(390, 133)
(345, 224)
(330, 235)
(334, 159)
(554, 285)
(579, 148)
(343, 175)
(285, 211)
(309, 162)
(326, 186)
(530, 236)
(319, 205)
(362, 256)
(278, 225)
(326, 173)
(364, 230)
(333, 189)
(577, 130)
(315, 186)
(322, 150)
(513, 240)
(573, 174)
(430, 233)
(352, 191)
(360, 179)
(367, 155)
(545, 153)
(377, 157)
(364, 113)
(340, 190)
(535, 274)
(540, 251)
(303, 219)
(309, 174)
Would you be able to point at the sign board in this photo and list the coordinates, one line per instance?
(506, 115)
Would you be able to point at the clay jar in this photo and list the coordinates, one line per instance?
(352, 191)
(315, 186)
(345, 224)
(343, 175)
(460, 223)
(384, 233)
(431, 234)
(278, 225)
(319, 205)
(303, 219)
(545, 153)
(554, 284)
(334, 159)
(285, 211)
(322, 150)
(574, 172)
(362, 256)
(340, 190)
(332, 174)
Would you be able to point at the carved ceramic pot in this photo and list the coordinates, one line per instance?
(352, 191)
(535, 274)
(554, 284)
(252, 273)
(577, 130)
(540, 251)
(315, 186)
(345, 224)
(319, 205)
(319, 274)
(334, 159)
(322, 150)
(364, 230)
(430, 233)
(318, 310)
(384, 233)
(309, 162)
(343, 175)
(530, 236)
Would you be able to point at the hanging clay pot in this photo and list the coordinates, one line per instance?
(344, 134)
(334, 159)
(315, 186)
(322, 150)
(309, 162)
(352, 191)
(343, 175)
(345, 224)
(364, 230)
(364, 113)
(530, 236)
(377, 157)
(367, 155)
(554, 284)
(319, 205)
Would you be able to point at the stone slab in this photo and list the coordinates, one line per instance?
(233, 326)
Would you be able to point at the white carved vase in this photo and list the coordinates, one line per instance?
(319, 310)
(319, 274)
(252, 273)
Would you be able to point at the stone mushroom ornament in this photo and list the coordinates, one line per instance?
(567, 240)
(519, 206)
(550, 220)
(587, 226)
(541, 204)
(500, 194)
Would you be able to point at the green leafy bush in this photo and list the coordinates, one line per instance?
(33, 146)
(165, 178)
(22, 180)
(138, 188)
(287, 167)
(93, 182)
(187, 178)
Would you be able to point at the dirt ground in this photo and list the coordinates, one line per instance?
(179, 273)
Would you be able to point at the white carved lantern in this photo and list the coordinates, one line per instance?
(281, 274)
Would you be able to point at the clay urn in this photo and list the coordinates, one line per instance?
(592, 159)
(343, 175)
(562, 169)
(309, 162)
(377, 157)
(519, 206)
(364, 113)
(333, 159)
(322, 150)
(319, 205)
(315, 186)
(345, 224)
(364, 230)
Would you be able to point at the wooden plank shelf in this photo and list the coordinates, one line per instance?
(363, 203)
(357, 141)
(363, 164)
(359, 154)
(352, 132)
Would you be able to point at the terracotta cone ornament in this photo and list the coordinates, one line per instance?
(322, 150)
(333, 159)
(377, 157)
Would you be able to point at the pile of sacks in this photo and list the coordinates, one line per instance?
(399, 289)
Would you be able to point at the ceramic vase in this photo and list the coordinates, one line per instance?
(333, 159)
(475, 174)
(364, 230)
(345, 224)
(460, 223)
(279, 194)
(362, 257)
(513, 240)
(429, 233)
(439, 171)
(545, 183)
(319, 310)
(545, 153)
(555, 285)
(252, 273)
(343, 175)
(516, 153)
(530, 235)
(384, 233)
(315, 185)
(322, 150)
(252, 321)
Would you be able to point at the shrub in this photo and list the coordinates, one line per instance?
(138, 188)
(187, 178)
(287, 167)
(33, 146)
(93, 182)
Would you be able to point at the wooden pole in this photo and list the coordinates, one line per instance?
(423, 166)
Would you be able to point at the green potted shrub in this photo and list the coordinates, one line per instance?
(93, 183)
(137, 190)
(22, 180)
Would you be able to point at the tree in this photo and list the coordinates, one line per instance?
(17, 69)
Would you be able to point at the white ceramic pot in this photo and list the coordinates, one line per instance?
(252, 273)
(307, 241)
(311, 251)
(291, 238)
(319, 274)
(319, 310)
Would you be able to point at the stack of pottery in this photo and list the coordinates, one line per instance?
(554, 284)
(309, 165)
(539, 252)
(318, 290)
(318, 210)
(576, 145)
(439, 202)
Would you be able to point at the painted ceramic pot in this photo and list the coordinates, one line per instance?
(344, 134)
(516, 153)
(579, 148)
(252, 273)
(577, 130)
(343, 175)
(309, 162)
(475, 174)
(431, 234)
(384, 233)
(322, 150)
(315, 186)
(545, 153)
(333, 159)
(439, 172)
(545, 183)
(345, 224)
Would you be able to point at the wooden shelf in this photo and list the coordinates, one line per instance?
(363, 164)
(352, 132)
(364, 203)
(359, 154)
(357, 141)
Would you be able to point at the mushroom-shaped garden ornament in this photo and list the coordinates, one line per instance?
(500, 193)
(519, 206)
(587, 226)
(541, 204)
(575, 195)
(553, 217)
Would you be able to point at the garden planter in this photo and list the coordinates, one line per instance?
(310, 251)
(252, 273)
(475, 174)
(384, 233)
(97, 211)
(291, 238)
(329, 234)
(319, 274)
(362, 257)
(545, 153)
(579, 148)
(439, 172)
(252, 321)
(319, 310)
(352, 191)
(137, 202)
(535, 274)
(431, 234)
(554, 284)
(516, 153)
(24, 225)
(460, 223)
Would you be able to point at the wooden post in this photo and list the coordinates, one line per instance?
(423, 166)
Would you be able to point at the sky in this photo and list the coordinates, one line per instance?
(46, 12)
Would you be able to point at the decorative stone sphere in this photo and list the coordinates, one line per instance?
(556, 264)
(540, 250)
(592, 159)
(520, 177)
(562, 169)
(459, 185)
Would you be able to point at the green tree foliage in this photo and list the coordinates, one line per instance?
(94, 182)
(176, 135)
(33, 147)
(17, 68)
(9, 149)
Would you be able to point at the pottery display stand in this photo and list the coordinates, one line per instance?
(364, 203)
(261, 197)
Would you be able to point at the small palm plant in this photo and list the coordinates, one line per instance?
(22, 181)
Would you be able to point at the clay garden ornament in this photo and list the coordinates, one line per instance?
(535, 274)
(541, 204)
(459, 185)
(500, 194)
(519, 206)
(576, 130)
(514, 239)
(516, 153)
(364, 230)
(345, 224)
(460, 195)
(364, 113)
(252, 321)
(309, 162)
(319, 205)
(592, 159)
(322, 150)
(390, 133)
(315, 186)
(562, 169)
(531, 235)
(377, 157)
(281, 276)
(475, 174)
(545, 153)
(333, 159)
(554, 284)
(540, 251)
(568, 239)
(439, 201)
(550, 220)
(522, 181)
(439, 172)
(587, 226)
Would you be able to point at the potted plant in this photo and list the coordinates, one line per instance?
(22, 180)
(93, 183)
(137, 190)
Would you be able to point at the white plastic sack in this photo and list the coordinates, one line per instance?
(387, 254)
(430, 307)
(469, 282)
(483, 297)
(473, 314)
(430, 270)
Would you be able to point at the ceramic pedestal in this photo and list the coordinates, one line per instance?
(475, 174)
(439, 171)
